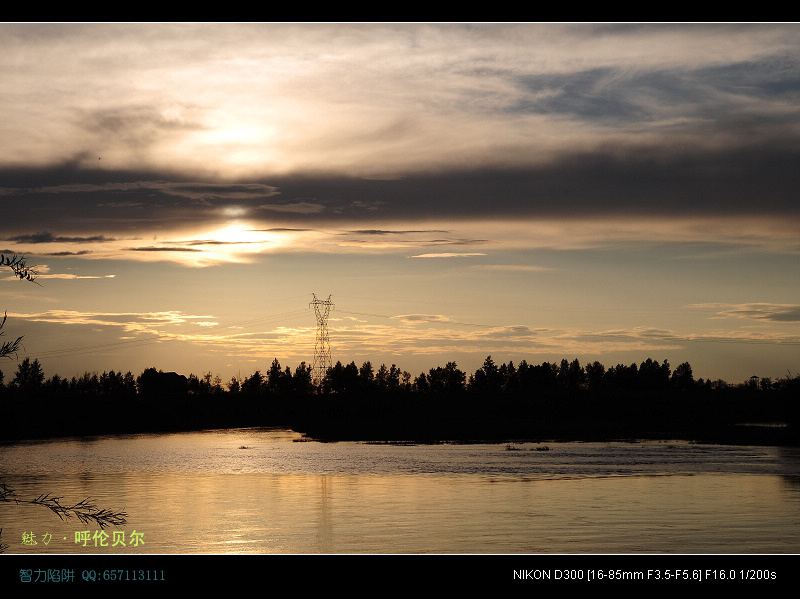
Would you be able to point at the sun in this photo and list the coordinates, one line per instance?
(235, 243)
(237, 235)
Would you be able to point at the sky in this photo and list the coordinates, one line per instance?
(599, 191)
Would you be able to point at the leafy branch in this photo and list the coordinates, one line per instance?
(22, 271)
(20, 267)
(8, 347)
(86, 511)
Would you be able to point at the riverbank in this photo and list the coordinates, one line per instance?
(421, 419)
(462, 430)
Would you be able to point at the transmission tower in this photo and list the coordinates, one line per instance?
(322, 345)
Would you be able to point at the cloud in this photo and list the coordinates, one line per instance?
(651, 189)
(391, 239)
(74, 276)
(294, 208)
(67, 253)
(416, 318)
(384, 232)
(220, 242)
(43, 272)
(586, 134)
(454, 338)
(130, 321)
(163, 249)
(449, 255)
(282, 230)
(510, 267)
(203, 191)
(47, 237)
(419, 97)
(781, 313)
(510, 332)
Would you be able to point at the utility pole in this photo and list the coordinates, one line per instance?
(322, 345)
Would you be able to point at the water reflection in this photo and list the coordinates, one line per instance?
(258, 491)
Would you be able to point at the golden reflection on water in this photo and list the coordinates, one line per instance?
(310, 511)
(256, 513)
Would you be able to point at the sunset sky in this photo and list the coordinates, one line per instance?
(606, 192)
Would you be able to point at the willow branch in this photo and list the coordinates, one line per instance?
(85, 511)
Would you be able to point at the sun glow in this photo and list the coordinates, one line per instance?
(233, 243)
(238, 235)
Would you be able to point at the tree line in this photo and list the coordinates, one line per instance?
(565, 377)
(496, 401)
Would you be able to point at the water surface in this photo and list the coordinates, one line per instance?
(261, 491)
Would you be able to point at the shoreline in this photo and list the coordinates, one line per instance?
(743, 435)
(741, 419)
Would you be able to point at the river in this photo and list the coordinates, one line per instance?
(265, 491)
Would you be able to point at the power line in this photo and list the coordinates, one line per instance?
(399, 317)
(160, 337)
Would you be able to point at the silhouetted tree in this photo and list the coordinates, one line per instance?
(571, 376)
(509, 381)
(421, 383)
(382, 378)
(254, 384)
(279, 382)
(350, 378)
(302, 380)
(341, 379)
(405, 379)
(195, 385)
(88, 385)
(595, 375)
(204, 386)
(332, 381)
(29, 377)
(387, 378)
(57, 387)
(366, 375)
(449, 379)
(541, 377)
(682, 378)
(486, 379)
(654, 376)
(621, 377)
(394, 377)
